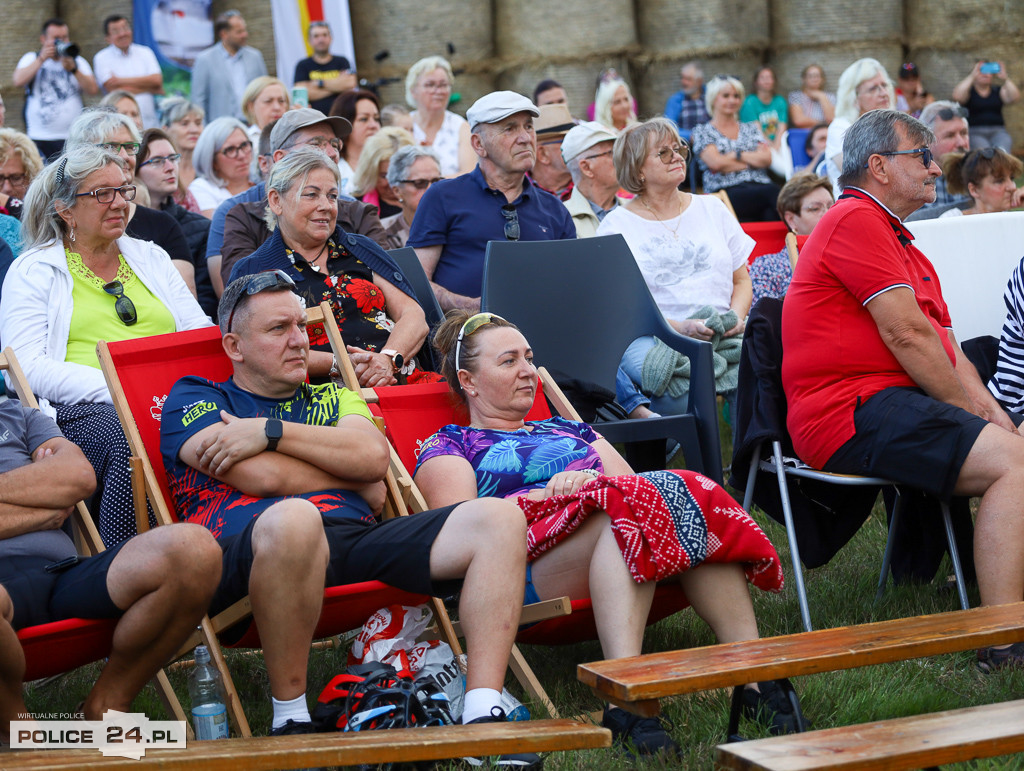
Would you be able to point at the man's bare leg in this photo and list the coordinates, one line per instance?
(12, 668)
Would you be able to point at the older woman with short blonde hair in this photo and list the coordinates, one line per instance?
(428, 89)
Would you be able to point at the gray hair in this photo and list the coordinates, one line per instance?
(420, 68)
(632, 146)
(850, 80)
(297, 164)
(875, 133)
(694, 67)
(96, 125)
(404, 158)
(214, 135)
(714, 88)
(177, 108)
(930, 113)
(56, 186)
(575, 170)
(314, 24)
(605, 96)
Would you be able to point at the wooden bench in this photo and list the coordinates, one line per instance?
(336, 749)
(637, 683)
(903, 743)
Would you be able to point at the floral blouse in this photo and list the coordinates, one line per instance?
(511, 463)
(749, 138)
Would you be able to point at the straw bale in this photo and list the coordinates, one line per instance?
(799, 23)
(579, 80)
(963, 24)
(706, 28)
(530, 28)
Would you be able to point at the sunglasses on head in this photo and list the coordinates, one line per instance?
(123, 305)
(260, 282)
(472, 324)
(948, 113)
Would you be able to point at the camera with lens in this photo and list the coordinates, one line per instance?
(66, 48)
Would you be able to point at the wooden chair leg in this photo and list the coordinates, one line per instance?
(524, 674)
(139, 494)
(170, 701)
(234, 705)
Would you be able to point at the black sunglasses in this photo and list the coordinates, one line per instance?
(420, 184)
(508, 211)
(123, 305)
(948, 113)
(924, 152)
(260, 282)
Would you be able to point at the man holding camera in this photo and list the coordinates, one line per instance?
(54, 79)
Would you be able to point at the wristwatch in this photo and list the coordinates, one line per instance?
(274, 431)
(320, 84)
(739, 155)
(397, 359)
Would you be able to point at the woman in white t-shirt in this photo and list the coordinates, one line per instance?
(428, 89)
(221, 160)
(691, 250)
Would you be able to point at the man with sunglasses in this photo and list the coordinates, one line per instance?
(948, 121)
(496, 201)
(288, 477)
(875, 381)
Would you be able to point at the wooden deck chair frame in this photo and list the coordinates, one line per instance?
(406, 498)
(47, 646)
(146, 487)
(724, 198)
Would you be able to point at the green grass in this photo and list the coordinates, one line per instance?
(840, 593)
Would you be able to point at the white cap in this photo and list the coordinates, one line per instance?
(583, 137)
(498, 105)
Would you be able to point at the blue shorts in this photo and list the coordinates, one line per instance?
(78, 591)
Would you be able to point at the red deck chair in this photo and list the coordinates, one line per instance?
(770, 237)
(140, 374)
(413, 412)
(60, 646)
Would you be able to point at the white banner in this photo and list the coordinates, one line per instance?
(291, 22)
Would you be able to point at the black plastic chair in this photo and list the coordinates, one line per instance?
(413, 270)
(581, 303)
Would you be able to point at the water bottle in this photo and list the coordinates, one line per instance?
(209, 715)
(514, 709)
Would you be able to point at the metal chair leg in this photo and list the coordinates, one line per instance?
(794, 549)
(897, 509)
(954, 556)
(748, 493)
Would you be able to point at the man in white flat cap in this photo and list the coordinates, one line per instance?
(587, 151)
(495, 201)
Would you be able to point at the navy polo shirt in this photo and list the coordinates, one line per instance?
(463, 214)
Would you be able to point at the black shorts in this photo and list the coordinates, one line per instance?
(908, 437)
(396, 552)
(79, 591)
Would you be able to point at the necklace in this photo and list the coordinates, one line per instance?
(674, 231)
(312, 263)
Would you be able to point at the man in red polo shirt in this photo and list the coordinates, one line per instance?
(875, 381)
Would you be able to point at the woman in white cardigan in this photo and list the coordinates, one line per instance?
(80, 280)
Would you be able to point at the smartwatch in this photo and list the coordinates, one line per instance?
(397, 359)
(320, 84)
(274, 431)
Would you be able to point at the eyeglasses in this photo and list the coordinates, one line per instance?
(132, 148)
(320, 143)
(816, 208)
(666, 154)
(260, 282)
(948, 113)
(15, 179)
(873, 90)
(123, 306)
(160, 160)
(235, 150)
(596, 155)
(441, 85)
(420, 184)
(924, 152)
(106, 194)
(473, 323)
(508, 211)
